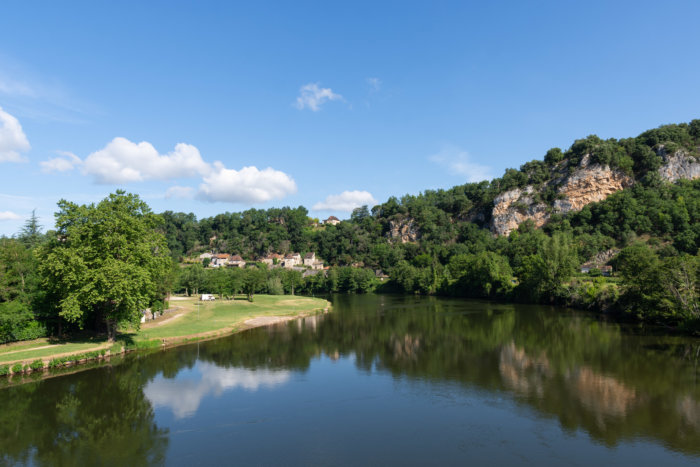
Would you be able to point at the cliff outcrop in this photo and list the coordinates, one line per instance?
(404, 230)
(678, 165)
(512, 208)
(587, 184)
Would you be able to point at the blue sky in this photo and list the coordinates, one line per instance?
(209, 107)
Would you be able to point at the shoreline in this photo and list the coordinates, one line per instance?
(106, 351)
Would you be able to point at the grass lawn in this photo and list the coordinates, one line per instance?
(189, 318)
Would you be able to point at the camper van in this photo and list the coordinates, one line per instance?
(206, 297)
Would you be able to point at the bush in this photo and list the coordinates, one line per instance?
(4, 370)
(17, 368)
(36, 365)
(31, 330)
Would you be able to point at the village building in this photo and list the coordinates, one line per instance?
(291, 260)
(312, 262)
(271, 259)
(236, 261)
(332, 221)
(219, 260)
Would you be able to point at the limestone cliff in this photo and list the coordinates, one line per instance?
(678, 165)
(587, 184)
(404, 230)
(514, 207)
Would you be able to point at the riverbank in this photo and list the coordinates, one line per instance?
(188, 320)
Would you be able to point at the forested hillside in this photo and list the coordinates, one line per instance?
(631, 204)
(521, 236)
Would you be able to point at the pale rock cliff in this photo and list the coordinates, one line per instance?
(404, 230)
(678, 165)
(514, 207)
(587, 184)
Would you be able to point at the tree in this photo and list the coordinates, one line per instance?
(253, 280)
(292, 279)
(106, 261)
(30, 234)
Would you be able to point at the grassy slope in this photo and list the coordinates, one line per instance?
(214, 318)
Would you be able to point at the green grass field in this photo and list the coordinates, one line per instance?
(189, 318)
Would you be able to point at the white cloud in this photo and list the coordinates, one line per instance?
(9, 216)
(312, 97)
(123, 161)
(459, 162)
(179, 192)
(374, 84)
(184, 395)
(12, 139)
(248, 185)
(66, 162)
(346, 201)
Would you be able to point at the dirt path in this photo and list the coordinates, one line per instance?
(30, 349)
(166, 321)
(267, 320)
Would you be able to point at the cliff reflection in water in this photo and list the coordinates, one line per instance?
(586, 375)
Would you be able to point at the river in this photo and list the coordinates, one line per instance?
(381, 380)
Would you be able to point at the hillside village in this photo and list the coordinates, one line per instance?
(308, 264)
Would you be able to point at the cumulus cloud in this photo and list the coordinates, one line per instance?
(123, 161)
(9, 216)
(65, 162)
(179, 192)
(459, 162)
(13, 141)
(346, 201)
(312, 97)
(248, 185)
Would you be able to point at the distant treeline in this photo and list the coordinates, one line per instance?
(104, 263)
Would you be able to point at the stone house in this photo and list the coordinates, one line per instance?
(219, 260)
(236, 261)
(291, 260)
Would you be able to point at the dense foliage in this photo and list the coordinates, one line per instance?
(105, 263)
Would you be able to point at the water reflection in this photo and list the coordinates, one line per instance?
(567, 369)
(183, 395)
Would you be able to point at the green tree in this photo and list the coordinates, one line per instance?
(253, 280)
(105, 262)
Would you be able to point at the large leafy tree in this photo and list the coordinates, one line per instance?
(106, 261)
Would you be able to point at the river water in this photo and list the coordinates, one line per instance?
(381, 380)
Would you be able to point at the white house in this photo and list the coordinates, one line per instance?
(332, 221)
(309, 259)
(219, 260)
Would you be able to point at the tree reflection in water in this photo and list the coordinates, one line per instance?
(589, 375)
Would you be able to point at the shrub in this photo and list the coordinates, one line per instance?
(17, 368)
(4, 370)
(36, 365)
(32, 330)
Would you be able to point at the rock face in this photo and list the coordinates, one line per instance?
(404, 230)
(588, 184)
(514, 207)
(678, 165)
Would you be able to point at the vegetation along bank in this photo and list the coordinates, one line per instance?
(610, 225)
